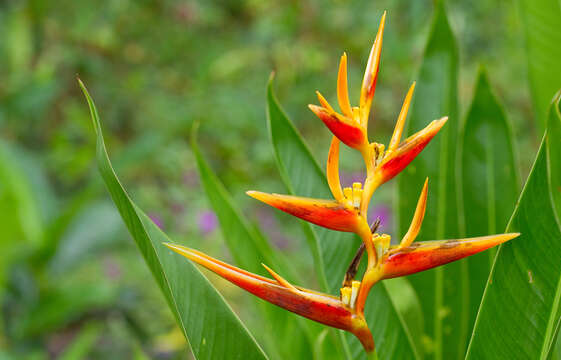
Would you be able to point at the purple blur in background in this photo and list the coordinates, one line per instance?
(207, 222)
(157, 220)
(385, 214)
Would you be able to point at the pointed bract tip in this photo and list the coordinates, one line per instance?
(342, 88)
(323, 102)
(502, 238)
(316, 109)
(256, 194)
(177, 248)
(283, 282)
(399, 126)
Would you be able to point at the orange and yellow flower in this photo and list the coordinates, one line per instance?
(347, 211)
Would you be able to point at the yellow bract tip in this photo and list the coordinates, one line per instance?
(371, 73)
(324, 102)
(343, 88)
(417, 221)
(400, 124)
(280, 279)
(333, 170)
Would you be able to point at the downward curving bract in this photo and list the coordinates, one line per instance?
(347, 211)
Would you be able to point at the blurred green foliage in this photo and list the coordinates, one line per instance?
(71, 280)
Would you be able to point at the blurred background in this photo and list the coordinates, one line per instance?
(72, 282)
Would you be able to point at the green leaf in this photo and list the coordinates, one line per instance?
(519, 313)
(442, 291)
(542, 33)
(489, 180)
(207, 321)
(282, 330)
(334, 250)
(554, 150)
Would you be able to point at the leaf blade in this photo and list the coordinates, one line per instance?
(442, 291)
(489, 180)
(542, 33)
(519, 312)
(171, 272)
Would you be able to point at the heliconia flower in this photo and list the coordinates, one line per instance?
(347, 211)
(323, 308)
(341, 213)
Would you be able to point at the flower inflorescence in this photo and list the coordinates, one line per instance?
(347, 212)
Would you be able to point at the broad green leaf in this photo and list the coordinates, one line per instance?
(442, 291)
(207, 321)
(541, 21)
(302, 176)
(519, 313)
(489, 180)
(282, 330)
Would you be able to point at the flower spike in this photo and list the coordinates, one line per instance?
(347, 212)
(323, 308)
